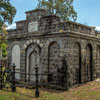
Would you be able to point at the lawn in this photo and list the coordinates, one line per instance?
(88, 91)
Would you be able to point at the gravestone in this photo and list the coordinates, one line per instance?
(33, 60)
(16, 58)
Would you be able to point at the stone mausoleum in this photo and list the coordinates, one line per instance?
(47, 42)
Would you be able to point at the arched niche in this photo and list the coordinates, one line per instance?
(98, 61)
(77, 63)
(16, 58)
(33, 59)
(53, 60)
(88, 68)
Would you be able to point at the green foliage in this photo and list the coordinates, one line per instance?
(4, 49)
(61, 8)
(3, 41)
(4, 76)
(7, 12)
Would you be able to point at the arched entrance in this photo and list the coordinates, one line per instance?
(33, 56)
(88, 73)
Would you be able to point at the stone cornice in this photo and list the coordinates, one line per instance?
(57, 34)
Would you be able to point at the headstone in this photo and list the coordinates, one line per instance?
(33, 62)
(33, 59)
(16, 58)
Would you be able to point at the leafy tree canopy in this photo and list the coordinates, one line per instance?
(7, 12)
(61, 8)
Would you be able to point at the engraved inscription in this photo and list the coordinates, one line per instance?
(33, 27)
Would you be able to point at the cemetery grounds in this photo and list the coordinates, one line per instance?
(88, 91)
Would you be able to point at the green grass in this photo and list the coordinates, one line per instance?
(2, 97)
(88, 91)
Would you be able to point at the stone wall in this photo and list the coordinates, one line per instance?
(77, 43)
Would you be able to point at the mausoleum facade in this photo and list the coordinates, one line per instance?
(44, 41)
